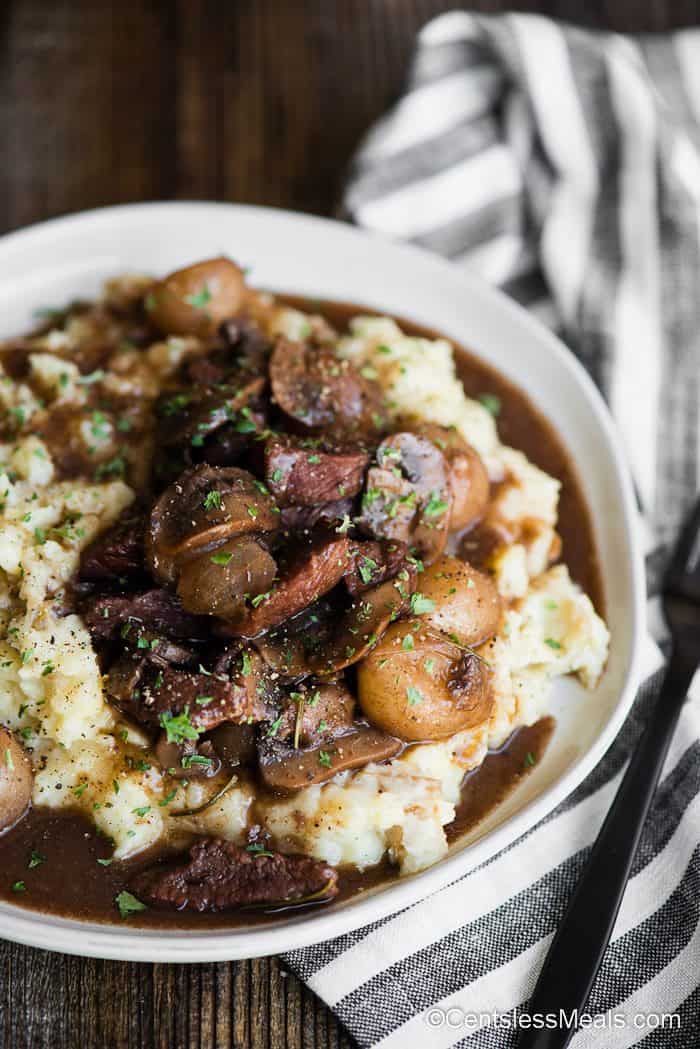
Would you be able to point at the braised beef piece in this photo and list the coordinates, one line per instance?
(374, 562)
(310, 570)
(155, 612)
(318, 390)
(314, 711)
(251, 348)
(304, 518)
(149, 693)
(221, 876)
(192, 415)
(300, 473)
(116, 553)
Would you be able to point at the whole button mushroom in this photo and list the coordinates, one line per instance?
(197, 299)
(16, 780)
(468, 477)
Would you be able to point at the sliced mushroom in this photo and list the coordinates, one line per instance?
(218, 583)
(467, 605)
(205, 507)
(318, 390)
(235, 744)
(288, 648)
(188, 760)
(468, 477)
(420, 686)
(407, 495)
(197, 299)
(364, 623)
(16, 780)
(284, 769)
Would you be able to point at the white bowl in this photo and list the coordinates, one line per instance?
(67, 258)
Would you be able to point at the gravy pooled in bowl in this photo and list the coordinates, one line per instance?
(285, 587)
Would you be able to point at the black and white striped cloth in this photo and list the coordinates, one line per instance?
(564, 166)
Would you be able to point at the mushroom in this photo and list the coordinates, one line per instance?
(467, 605)
(285, 769)
(314, 568)
(204, 508)
(319, 390)
(420, 686)
(192, 417)
(407, 495)
(235, 744)
(361, 627)
(16, 780)
(188, 760)
(468, 477)
(218, 583)
(197, 299)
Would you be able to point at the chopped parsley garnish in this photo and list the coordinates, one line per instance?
(128, 904)
(178, 727)
(529, 760)
(212, 500)
(420, 605)
(19, 886)
(195, 759)
(367, 567)
(276, 476)
(35, 860)
(168, 798)
(115, 467)
(258, 850)
(93, 377)
(246, 665)
(199, 299)
(9, 761)
(407, 643)
(220, 559)
(552, 643)
(414, 696)
(203, 701)
(345, 524)
(80, 790)
(491, 403)
(313, 459)
(435, 506)
(105, 863)
(324, 759)
(142, 810)
(274, 727)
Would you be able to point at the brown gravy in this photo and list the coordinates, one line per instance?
(65, 877)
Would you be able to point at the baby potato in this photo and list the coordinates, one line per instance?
(16, 779)
(421, 687)
(195, 300)
(467, 603)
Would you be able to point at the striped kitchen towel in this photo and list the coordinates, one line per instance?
(562, 165)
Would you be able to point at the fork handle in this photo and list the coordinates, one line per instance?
(578, 946)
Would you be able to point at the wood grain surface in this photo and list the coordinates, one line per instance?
(247, 100)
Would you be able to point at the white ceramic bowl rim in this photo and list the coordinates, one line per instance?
(103, 226)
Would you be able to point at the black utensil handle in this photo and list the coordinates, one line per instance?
(583, 934)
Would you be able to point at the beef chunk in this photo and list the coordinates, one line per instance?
(373, 563)
(148, 692)
(157, 613)
(301, 475)
(221, 876)
(304, 518)
(115, 554)
(313, 568)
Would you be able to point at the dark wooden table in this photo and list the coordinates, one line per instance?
(247, 100)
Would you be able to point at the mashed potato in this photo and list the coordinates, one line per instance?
(87, 757)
